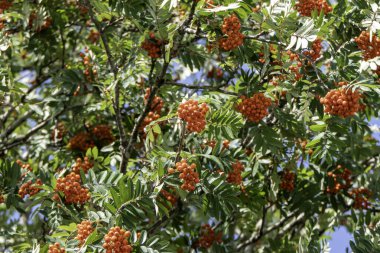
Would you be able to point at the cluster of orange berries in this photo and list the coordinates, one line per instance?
(94, 36)
(24, 166)
(341, 84)
(56, 248)
(341, 178)
(234, 176)
(295, 69)
(72, 189)
(100, 135)
(30, 188)
(370, 48)
(152, 116)
(157, 103)
(212, 144)
(84, 230)
(152, 46)
(207, 237)
(194, 114)
(306, 7)
(231, 28)
(343, 102)
(84, 165)
(89, 71)
(58, 132)
(215, 73)
(187, 173)
(5, 4)
(315, 52)
(45, 24)
(254, 108)
(169, 196)
(287, 181)
(360, 196)
(116, 241)
(103, 134)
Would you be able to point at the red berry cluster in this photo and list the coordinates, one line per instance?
(341, 84)
(94, 36)
(84, 230)
(315, 52)
(188, 174)
(24, 166)
(58, 132)
(194, 114)
(341, 179)
(360, 196)
(254, 108)
(234, 176)
(30, 188)
(343, 102)
(81, 141)
(56, 248)
(306, 7)
(287, 181)
(103, 135)
(84, 165)
(152, 46)
(215, 73)
(231, 28)
(295, 69)
(72, 189)
(370, 48)
(89, 72)
(207, 237)
(169, 196)
(157, 103)
(5, 4)
(147, 120)
(116, 241)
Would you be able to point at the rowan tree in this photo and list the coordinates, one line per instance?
(188, 125)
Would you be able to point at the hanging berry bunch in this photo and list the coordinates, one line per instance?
(169, 196)
(56, 248)
(194, 114)
(234, 176)
(84, 165)
(30, 188)
(103, 135)
(360, 196)
(341, 84)
(84, 229)
(215, 73)
(295, 69)
(370, 48)
(306, 7)
(343, 102)
(287, 181)
(315, 52)
(94, 36)
(147, 120)
(152, 46)
(207, 237)
(341, 179)
(72, 189)
(157, 103)
(254, 108)
(231, 29)
(25, 167)
(5, 4)
(188, 174)
(89, 72)
(116, 241)
(81, 141)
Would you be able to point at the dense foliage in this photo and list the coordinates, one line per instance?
(188, 126)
